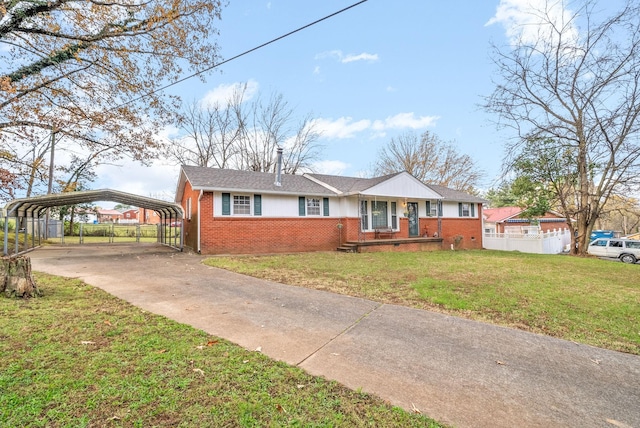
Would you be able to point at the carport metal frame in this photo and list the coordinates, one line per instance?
(34, 207)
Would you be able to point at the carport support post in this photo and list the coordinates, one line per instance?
(81, 230)
(17, 226)
(26, 235)
(6, 236)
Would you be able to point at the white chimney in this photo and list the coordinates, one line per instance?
(279, 170)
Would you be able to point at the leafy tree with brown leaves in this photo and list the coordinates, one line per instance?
(431, 160)
(91, 70)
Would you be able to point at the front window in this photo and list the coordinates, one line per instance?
(241, 204)
(364, 217)
(394, 216)
(465, 211)
(379, 215)
(313, 206)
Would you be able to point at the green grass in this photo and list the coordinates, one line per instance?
(78, 357)
(585, 300)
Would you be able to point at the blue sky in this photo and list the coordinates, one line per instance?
(375, 71)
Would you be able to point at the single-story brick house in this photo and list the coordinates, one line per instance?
(239, 212)
(505, 219)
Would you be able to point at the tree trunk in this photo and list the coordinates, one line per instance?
(16, 279)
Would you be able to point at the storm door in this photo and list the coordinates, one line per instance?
(414, 224)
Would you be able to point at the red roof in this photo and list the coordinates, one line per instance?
(495, 215)
(109, 212)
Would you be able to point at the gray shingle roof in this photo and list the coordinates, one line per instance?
(454, 195)
(202, 178)
(251, 181)
(351, 184)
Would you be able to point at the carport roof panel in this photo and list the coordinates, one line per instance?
(24, 205)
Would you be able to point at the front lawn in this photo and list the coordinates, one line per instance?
(78, 357)
(585, 300)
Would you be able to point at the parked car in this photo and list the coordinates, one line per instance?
(627, 250)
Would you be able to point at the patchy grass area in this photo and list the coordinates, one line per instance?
(585, 300)
(80, 357)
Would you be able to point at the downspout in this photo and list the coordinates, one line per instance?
(199, 222)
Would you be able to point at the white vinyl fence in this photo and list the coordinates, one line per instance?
(552, 242)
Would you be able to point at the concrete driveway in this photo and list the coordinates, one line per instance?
(460, 372)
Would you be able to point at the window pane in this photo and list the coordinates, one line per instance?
(379, 214)
(241, 204)
(313, 206)
(394, 216)
(465, 210)
(364, 218)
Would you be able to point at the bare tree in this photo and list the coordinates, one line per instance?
(212, 133)
(429, 159)
(265, 127)
(576, 85)
(245, 136)
(302, 148)
(621, 214)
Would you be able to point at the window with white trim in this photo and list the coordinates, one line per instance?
(313, 206)
(241, 205)
(464, 209)
(379, 218)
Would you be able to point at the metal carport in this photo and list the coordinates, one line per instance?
(34, 207)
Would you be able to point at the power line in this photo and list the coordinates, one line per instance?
(197, 73)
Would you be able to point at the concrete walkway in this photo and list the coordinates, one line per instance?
(460, 372)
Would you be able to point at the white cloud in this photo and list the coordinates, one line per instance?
(329, 54)
(338, 55)
(331, 167)
(360, 57)
(343, 127)
(158, 179)
(346, 127)
(405, 121)
(316, 70)
(530, 20)
(222, 93)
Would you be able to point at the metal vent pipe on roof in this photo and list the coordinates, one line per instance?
(279, 168)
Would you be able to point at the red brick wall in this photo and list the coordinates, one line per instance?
(260, 235)
(191, 226)
(463, 233)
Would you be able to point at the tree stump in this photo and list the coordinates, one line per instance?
(16, 279)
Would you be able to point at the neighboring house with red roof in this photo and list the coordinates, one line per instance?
(234, 212)
(512, 219)
(108, 216)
